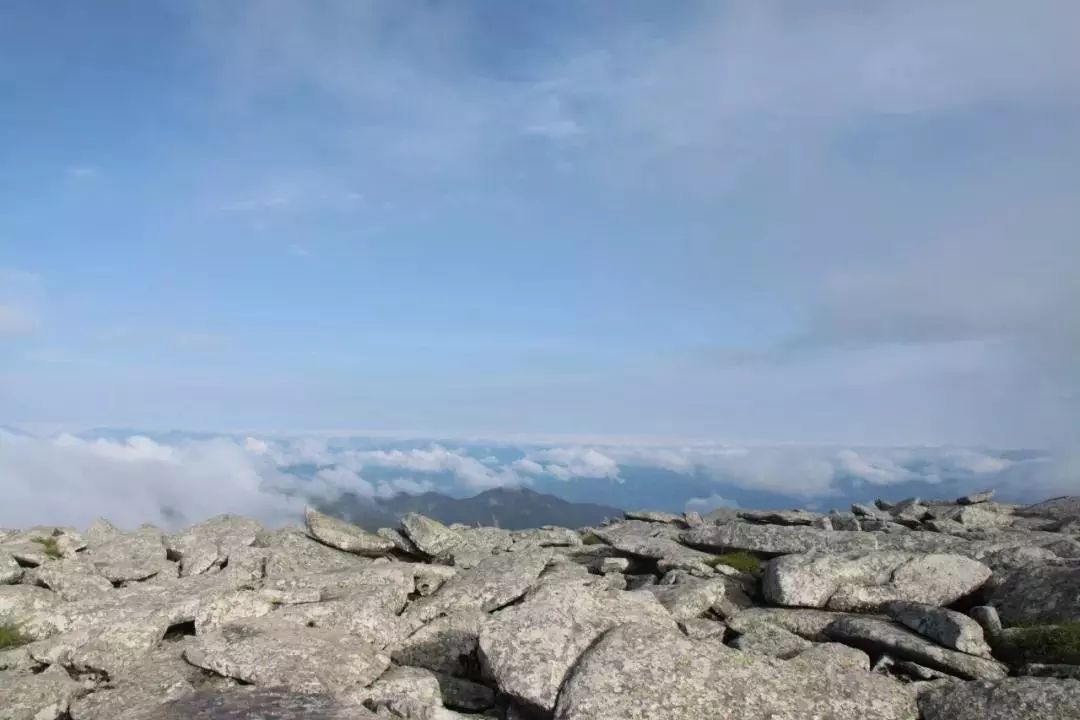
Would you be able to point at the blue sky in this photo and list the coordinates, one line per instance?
(852, 222)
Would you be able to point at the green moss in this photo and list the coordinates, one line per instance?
(1054, 644)
(591, 538)
(743, 561)
(49, 547)
(11, 637)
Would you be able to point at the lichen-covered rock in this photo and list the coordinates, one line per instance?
(208, 545)
(1039, 594)
(1058, 508)
(1007, 699)
(776, 539)
(444, 645)
(270, 652)
(866, 581)
(690, 598)
(37, 696)
(431, 537)
(804, 622)
(655, 516)
(10, 570)
(945, 627)
(344, 536)
(651, 673)
(493, 583)
(25, 606)
(781, 517)
(763, 638)
(974, 498)
(881, 636)
(291, 552)
(249, 703)
(128, 556)
(72, 580)
(529, 648)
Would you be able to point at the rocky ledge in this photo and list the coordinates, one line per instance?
(960, 610)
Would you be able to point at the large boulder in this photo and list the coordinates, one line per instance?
(528, 648)
(1058, 508)
(1039, 595)
(247, 703)
(128, 556)
(38, 696)
(1019, 698)
(655, 673)
(776, 539)
(493, 583)
(945, 627)
(431, 537)
(207, 546)
(345, 536)
(878, 636)
(866, 581)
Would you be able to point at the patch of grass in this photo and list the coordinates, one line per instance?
(1054, 644)
(11, 637)
(49, 547)
(591, 538)
(743, 561)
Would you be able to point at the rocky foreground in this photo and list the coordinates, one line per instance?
(963, 610)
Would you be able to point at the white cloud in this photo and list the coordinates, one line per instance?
(471, 472)
(403, 485)
(566, 463)
(705, 504)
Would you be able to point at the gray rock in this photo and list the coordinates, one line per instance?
(945, 627)
(544, 537)
(71, 579)
(528, 648)
(780, 517)
(429, 578)
(701, 628)
(614, 565)
(1007, 699)
(431, 537)
(1064, 672)
(866, 581)
(655, 517)
(460, 694)
(252, 703)
(400, 542)
(265, 651)
(445, 645)
(881, 636)
(987, 617)
(764, 638)
(24, 606)
(844, 521)
(1056, 508)
(11, 571)
(1039, 595)
(37, 696)
(805, 623)
(493, 583)
(413, 683)
(776, 540)
(649, 673)
(292, 552)
(128, 556)
(830, 657)
(656, 541)
(344, 536)
(693, 519)
(870, 512)
(207, 546)
(689, 599)
(974, 498)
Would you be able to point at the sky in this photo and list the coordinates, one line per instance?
(851, 223)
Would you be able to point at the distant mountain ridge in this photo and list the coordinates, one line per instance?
(508, 508)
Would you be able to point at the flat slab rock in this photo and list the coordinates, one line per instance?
(651, 673)
(877, 636)
(1009, 699)
(863, 582)
(1039, 594)
(270, 652)
(256, 703)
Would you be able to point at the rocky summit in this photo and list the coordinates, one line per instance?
(958, 610)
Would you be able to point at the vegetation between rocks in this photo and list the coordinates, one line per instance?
(742, 561)
(11, 637)
(1055, 644)
(49, 547)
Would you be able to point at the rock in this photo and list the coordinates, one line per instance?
(975, 498)
(208, 545)
(776, 540)
(780, 517)
(655, 517)
(396, 683)
(822, 523)
(71, 579)
(866, 581)
(493, 583)
(693, 519)
(23, 605)
(909, 512)
(656, 541)
(881, 636)
(689, 599)
(975, 516)
(830, 657)
(1065, 672)
(987, 617)
(844, 521)
(445, 645)
(251, 703)
(1055, 509)
(764, 638)
(700, 628)
(292, 552)
(883, 504)
(650, 673)
(266, 651)
(345, 536)
(1046, 644)
(945, 627)
(1039, 595)
(431, 537)
(805, 623)
(544, 537)
(400, 542)
(460, 694)
(870, 512)
(1007, 699)
(528, 648)
(429, 578)
(614, 565)
(11, 571)
(37, 696)
(128, 556)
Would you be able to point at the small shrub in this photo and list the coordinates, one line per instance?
(1054, 644)
(743, 561)
(11, 637)
(49, 547)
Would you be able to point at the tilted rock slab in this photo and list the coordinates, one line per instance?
(945, 627)
(866, 581)
(345, 536)
(1040, 595)
(528, 648)
(650, 673)
(1008, 699)
(882, 636)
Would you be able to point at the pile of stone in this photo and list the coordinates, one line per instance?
(960, 610)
